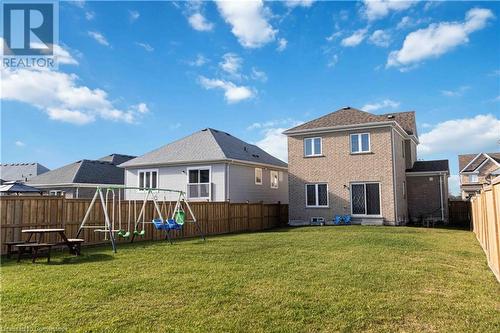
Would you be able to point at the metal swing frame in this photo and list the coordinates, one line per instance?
(108, 226)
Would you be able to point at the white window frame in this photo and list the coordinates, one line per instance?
(473, 181)
(379, 194)
(146, 171)
(271, 173)
(209, 168)
(317, 196)
(360, 143)
(313, 153)
(261, 174)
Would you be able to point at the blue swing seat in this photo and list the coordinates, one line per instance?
(158, 224)
(172, 225)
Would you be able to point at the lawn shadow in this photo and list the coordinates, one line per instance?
(82, 259)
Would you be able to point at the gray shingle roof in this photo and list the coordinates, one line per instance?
(351, 116)
(116, 159)
(205, 145)
(21, 171)
(18, 188)
(84, 171)
(465, 159)
(427, 166)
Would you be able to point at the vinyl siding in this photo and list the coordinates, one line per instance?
(242, 185)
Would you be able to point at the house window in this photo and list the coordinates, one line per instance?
(360, 143)
(365, 199)
(258, 176)
(473, 179)
(316, 195)
(274, 179)
(199, 183)
(56, 193)
(312, 147)
(148, 178)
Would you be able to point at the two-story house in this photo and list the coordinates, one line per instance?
(362, 164)
(476, 171)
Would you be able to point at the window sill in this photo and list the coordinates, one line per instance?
(313, 156)
(316, 207)
(363, 153)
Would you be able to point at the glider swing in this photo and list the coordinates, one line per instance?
(108, 206)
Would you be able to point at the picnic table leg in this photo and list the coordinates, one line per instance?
(20, 253)
(48, 256)
(34, 253)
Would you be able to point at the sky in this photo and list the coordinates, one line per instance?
(134, 76)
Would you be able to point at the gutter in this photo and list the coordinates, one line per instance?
(234, 161)
(426, 173)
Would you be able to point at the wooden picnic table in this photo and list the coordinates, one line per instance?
(72, 244)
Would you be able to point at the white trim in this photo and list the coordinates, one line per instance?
(379, 194)
(317, 196)
(378, 124)
(261, 176)
(144, 171)
(206, 167)
(426, 173)
(73, 185)
(314, 154)
(360, 143)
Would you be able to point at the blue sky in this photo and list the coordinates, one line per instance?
(133, 76)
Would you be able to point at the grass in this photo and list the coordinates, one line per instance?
(288, 280)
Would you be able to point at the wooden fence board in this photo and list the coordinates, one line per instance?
(17, 213)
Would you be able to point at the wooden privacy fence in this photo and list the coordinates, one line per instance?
(486, 223)
(214, 218)
(459, 213)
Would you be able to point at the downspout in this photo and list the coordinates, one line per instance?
(394, 179)
(441, 194)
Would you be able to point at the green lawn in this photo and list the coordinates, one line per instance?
(290, 280)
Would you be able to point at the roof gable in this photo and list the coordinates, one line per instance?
(202, 146)
(351, 116)
(471, 162)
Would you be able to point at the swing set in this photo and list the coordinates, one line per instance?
(175, 218)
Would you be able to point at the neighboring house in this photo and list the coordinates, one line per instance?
(210, 165)
(477, 170)
(21, 171)
(72, 180)
(358, 163)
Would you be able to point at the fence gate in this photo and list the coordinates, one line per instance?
(459, 213)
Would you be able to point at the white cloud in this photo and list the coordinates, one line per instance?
(141, 108)
(61, 96)
(438, 38)
(249, 22)
(333, 61)
(258, 75)
(380, 38)
(454, 184)
(231, 63)
(90, 15)
(355, 39)
(98, 37)
(455, 93)
(495, 73)
(133, 15)
(334, 36)
(409, 22)
(199, 22)
(20, 143)
(377, 9)
(386, 103)
(299, 3)
(282, 44)
(199, 61)
(145, 46)
(458, 136)
(274, 143)
(232, 92)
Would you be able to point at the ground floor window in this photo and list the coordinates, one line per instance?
(365, 198)
(317, 195)
(148, 178)
(199, 183)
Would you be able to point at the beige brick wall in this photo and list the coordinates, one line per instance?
(338, 168)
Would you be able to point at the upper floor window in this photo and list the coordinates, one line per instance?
(258, 176)
(274, 179)
(312, 147)
(148, 178)
(360, 143)
(473, 179)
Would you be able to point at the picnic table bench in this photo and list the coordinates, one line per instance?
(73, 244)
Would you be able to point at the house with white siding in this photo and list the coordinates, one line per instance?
(210, 165)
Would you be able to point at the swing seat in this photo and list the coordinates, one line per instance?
(124, 234)
(158, 224)
(140, 233)
(173, 225)
(180, 217)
